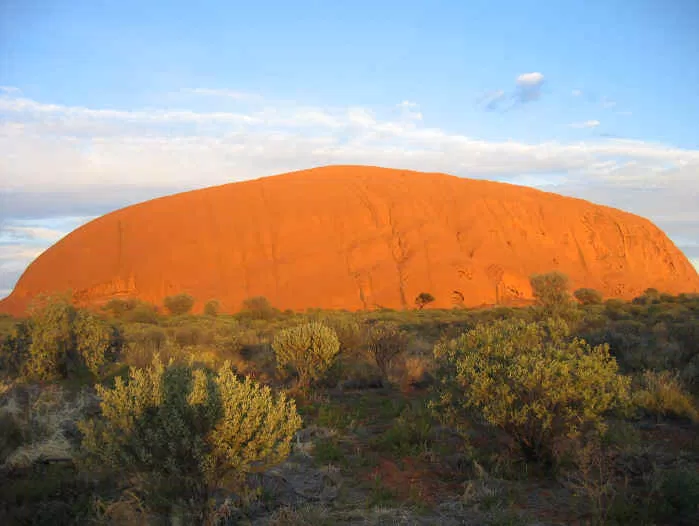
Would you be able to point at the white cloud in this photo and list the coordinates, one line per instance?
(17, 253)
(530, 79)
(31, 232)
(528, 87)
(576, 93)
(585, 124)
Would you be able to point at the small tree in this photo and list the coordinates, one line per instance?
(308, 349)
(588, 296)
(14, 350)
(179, 304)
(259, 308)
(551, 292)
(187, 432)
(52, 344)
(386, 342)
(531, 380)
(212, 308)
(63, 339)
(93, 340)
(423, 299)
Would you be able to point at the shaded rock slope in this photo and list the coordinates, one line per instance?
(356, 237)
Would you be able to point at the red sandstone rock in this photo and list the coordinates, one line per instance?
(356, 237)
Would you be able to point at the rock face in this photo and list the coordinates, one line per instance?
(356, 237)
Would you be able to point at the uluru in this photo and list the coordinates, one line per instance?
(355, 237)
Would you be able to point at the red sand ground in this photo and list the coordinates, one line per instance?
(355, 237)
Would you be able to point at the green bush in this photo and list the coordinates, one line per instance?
(258, 308)
(14, 351)
(52, 345)
(386, 342)
(551, 292)
(531, 380)
(422, 299)
(64, 339)
(212, 307)
(308, 349)
(661, 394)
(179, 304)
(93, 340)
(187, 432)
(142, 313)
(588, 296)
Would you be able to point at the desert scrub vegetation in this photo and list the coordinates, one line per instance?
(428, 440)
(178, 304)
(386, 342)
(533, 381)
(662, 395)
(187, 432)
(308, 349)
(59, 341)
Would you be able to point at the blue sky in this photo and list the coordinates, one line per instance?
(108, 103)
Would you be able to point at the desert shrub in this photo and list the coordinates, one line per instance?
(188, 432)
(52, 345)
(348, 331)
(94, 339)
(14, 351)
(258, 308)
(422, 299)
(212, 307)
(119, 307)
(64, 340)
(142, 313)
(531, 380)
(588, 296)
(386, 342)
(551, 292)
(40, 421)
(179, 304)
(661, 394)
(309, 349)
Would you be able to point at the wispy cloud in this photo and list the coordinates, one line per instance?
(576, 93)
(31, 232)
(585, 124)
(492, 100)
(527, 89)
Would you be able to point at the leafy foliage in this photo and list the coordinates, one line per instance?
(309, 349)
(423, 299)
(258, 308)
(179, 304)
(186, 432)
(58, 340)
(662, 394)
(533, 381)
(386, 342)
(212, 307)
(551, 292)
(588, 296)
